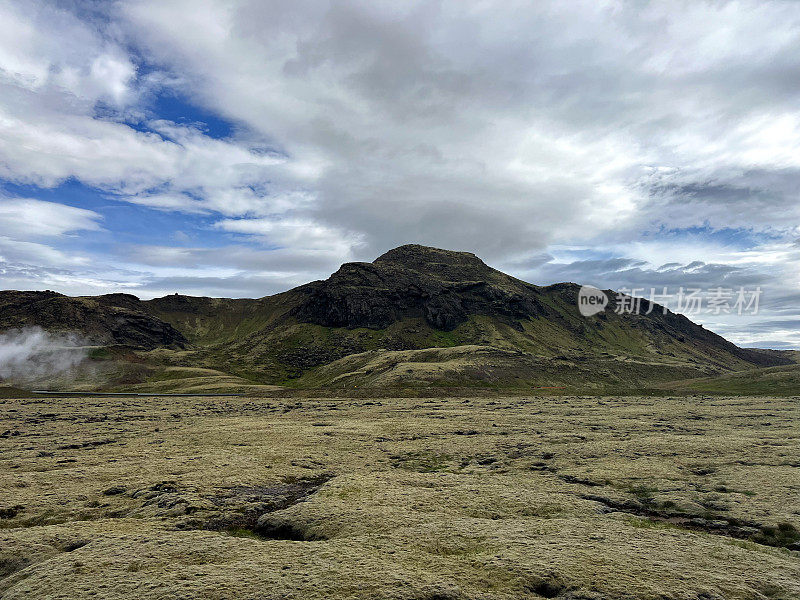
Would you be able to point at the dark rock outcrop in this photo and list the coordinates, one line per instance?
(115, 319)
(442, 287)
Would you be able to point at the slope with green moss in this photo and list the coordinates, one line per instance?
(782, 380)
(414, 297)
(411, 298)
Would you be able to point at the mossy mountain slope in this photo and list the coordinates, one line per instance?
(411, 298)
(415, 297)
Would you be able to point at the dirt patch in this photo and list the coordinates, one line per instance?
(84, 445)
(578, 480)
(11, 511)
(784, 535)
(236, 510)
(244, 505)
(9, 566)
(274, 527)
(423, 461)
(548, 586)
(72, 545)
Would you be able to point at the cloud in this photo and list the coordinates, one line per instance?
(74, 276)
(494, 130)
(35, 254)
(74, 105)
(538, 131)
(617, 273)
(298, 234)
(240, 285)
(284, 260)
(77, 61)
(27, 223)
(603, 142)
(22, 218)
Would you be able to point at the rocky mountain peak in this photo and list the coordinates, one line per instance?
(441, 286)
(446, 264)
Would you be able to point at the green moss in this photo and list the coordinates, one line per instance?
(642, 491)
(99, 354)
(780, 535)
(422, 462)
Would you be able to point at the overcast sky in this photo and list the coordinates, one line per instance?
(239, 148)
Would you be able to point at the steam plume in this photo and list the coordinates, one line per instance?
(32, 354)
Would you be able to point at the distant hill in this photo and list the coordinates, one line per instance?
(112, 319)
(415, 316)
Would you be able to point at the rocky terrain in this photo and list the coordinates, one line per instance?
(113, 319)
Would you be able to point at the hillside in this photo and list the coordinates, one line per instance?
(369, 323)
(113, 319)
(784, 379)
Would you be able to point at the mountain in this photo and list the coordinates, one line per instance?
(416, 316)
(113, 319)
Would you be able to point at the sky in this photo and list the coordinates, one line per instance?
(238, 148)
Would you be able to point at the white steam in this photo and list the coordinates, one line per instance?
(32, 354)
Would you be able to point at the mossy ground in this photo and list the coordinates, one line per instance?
(511, 497)
(766, 381)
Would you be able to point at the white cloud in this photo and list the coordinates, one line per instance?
(543, 127)
(24, 218)
(25, 224)
(30, 254)
(47, 49)
(296, 234)
(505, 129)
(551, 116)
(55, 69)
